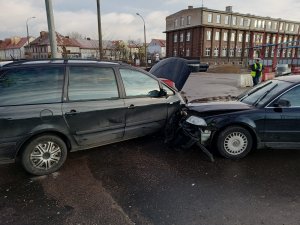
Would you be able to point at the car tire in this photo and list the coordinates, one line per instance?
(44, 154)
(234, 142)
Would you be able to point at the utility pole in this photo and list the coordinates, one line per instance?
(99, 30)
(145, 42)
(51, 28)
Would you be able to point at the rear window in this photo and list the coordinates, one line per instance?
(38, 85)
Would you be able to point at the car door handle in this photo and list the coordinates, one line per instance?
(72, 112)
(132, 106)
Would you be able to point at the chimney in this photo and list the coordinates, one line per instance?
(228, 9)
(43, 33)
(190, 7)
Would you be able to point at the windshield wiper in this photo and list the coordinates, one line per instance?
(264, 95)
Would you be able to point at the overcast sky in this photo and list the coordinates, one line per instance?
(119, 19)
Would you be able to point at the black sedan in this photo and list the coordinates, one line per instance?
(267, 116)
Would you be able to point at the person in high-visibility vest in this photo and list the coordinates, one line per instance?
(256, 71)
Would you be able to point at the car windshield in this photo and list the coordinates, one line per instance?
(263, 92)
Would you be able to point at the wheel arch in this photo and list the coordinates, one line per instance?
(64, 137)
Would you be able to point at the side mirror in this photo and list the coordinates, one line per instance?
(157, 94)
(282, 103)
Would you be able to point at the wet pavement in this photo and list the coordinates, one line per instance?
(142, 181)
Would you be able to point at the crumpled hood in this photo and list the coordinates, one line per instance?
(174, 69)
(214, 108)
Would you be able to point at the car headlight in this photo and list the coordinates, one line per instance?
(196, 121)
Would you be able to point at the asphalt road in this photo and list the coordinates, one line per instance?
(142, 181)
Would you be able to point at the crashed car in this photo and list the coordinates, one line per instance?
(266, 116)
(49, 108)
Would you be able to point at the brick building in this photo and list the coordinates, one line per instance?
(229, 37)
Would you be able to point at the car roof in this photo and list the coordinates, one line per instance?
(59, 61)
(289, 78)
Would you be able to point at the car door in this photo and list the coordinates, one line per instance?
(146, 113)
(282, 127)
(93, 109)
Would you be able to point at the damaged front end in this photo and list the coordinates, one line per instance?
(185, 130)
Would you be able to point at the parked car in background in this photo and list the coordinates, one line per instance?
(267, 116)
(51, 107)
(282, 70)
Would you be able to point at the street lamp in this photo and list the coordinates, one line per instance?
(145, 43)
(33, 17)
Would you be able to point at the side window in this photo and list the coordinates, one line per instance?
(38, 85)
(92, 83)
(292, 96)
(138, 84)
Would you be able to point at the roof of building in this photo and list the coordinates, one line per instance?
(43, 39)
(160, 42)
(88, 43)
(227, 12)
(13, 43)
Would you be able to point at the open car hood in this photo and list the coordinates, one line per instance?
(174, 69)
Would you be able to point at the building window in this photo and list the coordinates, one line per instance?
(259, 24)
(188, 36)
(224, 51)
(278, 53)
(273, 39)
(255, 23)
(218, 18)
(239, 52)
(247, 22)
(267, 52)
(297, 28)
(181, 37)
(269, 24)
(175, 52)
(231, 52)
(247, 38)
(263, 24)
(279, 39)
(189, 18)
(232, 38)
(272, 52)
(209, 18)
(175, 37)
(225, 36)
(281, 26)
(275, 25)
(181, 21)
(216, 51)
(208, 35)
(234, 20)
(226, 20)
(240, 37)
(241, 21)
(187, 53)
(292, 27)
(287, 27)
(246, 52)
(176, 23)
(268, 39)
(217, 36)
(207, 51)
(285, 39)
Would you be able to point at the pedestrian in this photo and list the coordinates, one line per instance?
(256, 71)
